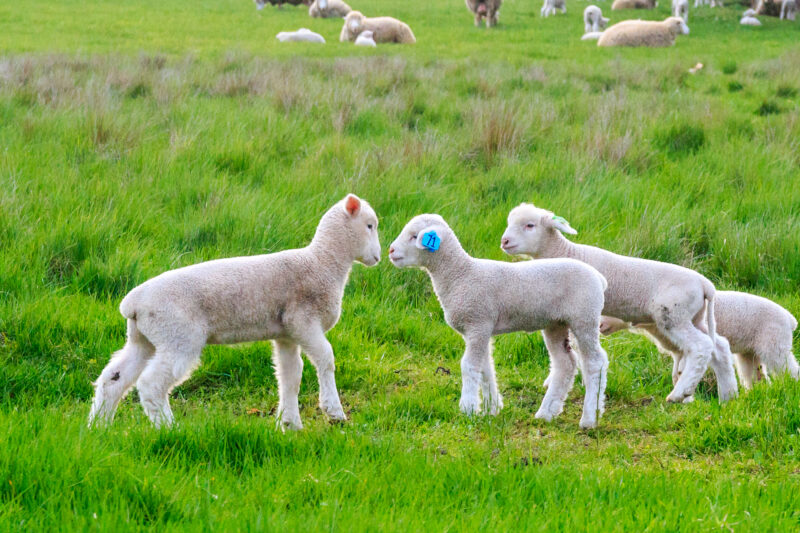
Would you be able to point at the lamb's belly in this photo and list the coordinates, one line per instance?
(519, 323)
(250, 333)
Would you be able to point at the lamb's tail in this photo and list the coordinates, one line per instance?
(603, 280)
(710, 294)
(129, 304)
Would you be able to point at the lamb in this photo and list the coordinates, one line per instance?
(292, 297)
(384, 29)
(365, 39)
(483, 298)
(550, 6)
(680, 9)
(301, 35)
(758, 331)
(788, 9)
(777, 8)
(749, 18)
(591, 36)
(261, 3)
(329, 9)
(634, 4)
(593, 20)
(487, 10)
(644, 33)
(639, 291)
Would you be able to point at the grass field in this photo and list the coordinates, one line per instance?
(147, 135)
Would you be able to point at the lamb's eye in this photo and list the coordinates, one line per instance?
(530, 225)
(413, 237)
(369, 226)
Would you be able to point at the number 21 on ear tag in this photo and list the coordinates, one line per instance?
(431, 241)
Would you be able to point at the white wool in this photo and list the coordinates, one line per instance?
(482, 298)
(329, 9)
(593, 21)
(639, 291)
(301, 35)
(549, 7)
(749, 19)
(680, 9)
(365, 39)
(293, 297)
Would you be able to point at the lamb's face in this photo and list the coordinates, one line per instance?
(354, 21)
(678, 26)
(603, 23)
(530, 229)
(363, 227)
(409, 248)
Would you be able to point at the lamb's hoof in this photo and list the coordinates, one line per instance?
(290, 424)
(725, 396)
(541, 414)
(469, 407)
(336, 415)
(688, 399)
(677, 397)
(588, 423)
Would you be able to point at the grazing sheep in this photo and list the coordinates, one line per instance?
(643, 33)
(749, 19)
(680, 9)
(485, 9)
(639, 291)
(292, 297)
(328, 9)
(261, 3)
(634, 4)
(301, 35)
(365, 39)
(482, 298)
(593, 20)
(550, 6)
(758, 331)
(384, 29)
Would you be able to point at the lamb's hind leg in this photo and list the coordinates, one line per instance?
(746, 366)
(289, 371)
(594, 367)
(119, 375)
(696, 350)
(562, 371)
(168, 369)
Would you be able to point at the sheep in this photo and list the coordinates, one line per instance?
(483, 298)
(328, 9)
(301, 35)
(777, 8)
(261, 3)
(756, 330)
(488, 10)
(365, 39)
(550, 6)
(788, 9)
(384, 29)
(680, 9)
(634, 4)
(639, 290)
(643, 33)
(749, 18)
(292, 297)
(593, 20)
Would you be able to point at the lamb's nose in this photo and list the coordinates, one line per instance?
(391, 250)
(505, 241)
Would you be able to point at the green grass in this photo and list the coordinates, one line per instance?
(142, 136)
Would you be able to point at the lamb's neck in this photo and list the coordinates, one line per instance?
(449, 270)
(335, 261)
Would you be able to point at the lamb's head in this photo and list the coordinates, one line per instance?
(366, 34)
(531, 229)
(260, 4)
(354, 20)
(422, 241)
(481, 7)
(609, 325)
(603, 22)
(749, 13)
(322, 4)
(677, 25)
(352, 227)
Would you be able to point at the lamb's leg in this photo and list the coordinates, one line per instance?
(576, 360)
(747, 369)
(722, 365)
(477, 20)
(492, 400)
(473, 366)
(288, 371)
(119, 375)
(594, 367)
(170, 367)
(320, 353)
(562, 373)
(696, 350)
(791, 364)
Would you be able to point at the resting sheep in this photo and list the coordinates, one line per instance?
(487, 10)
(301, 35)
(384, 29)
(365, 39)
(292, 297)
(634, 4)
(482, 298)
(639, 290)
(593, 20)
(328, 9)
(261, 3)
(680, 9)
(758, 331)
(749, 19)
(643, 33)
(550, 6)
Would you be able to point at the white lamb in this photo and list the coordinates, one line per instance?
(292, 297)
(482, 298)
(757, 330)
(593, 20)
(749, 18)
(328, 9)
(680, 9)
(365, 39)
(639, 291)
(550, 6)
(299, 36)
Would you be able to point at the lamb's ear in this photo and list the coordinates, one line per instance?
(561, 224)
(430, 238)
(352, 204)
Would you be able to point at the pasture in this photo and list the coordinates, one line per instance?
(141, 136)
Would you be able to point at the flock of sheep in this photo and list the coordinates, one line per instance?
(364, 31)
(571, 292)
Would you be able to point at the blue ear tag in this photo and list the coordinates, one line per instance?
(560, 219)
(431, 241)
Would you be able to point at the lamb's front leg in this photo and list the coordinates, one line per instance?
(473, 365)
(320, 353)
(288, 371)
